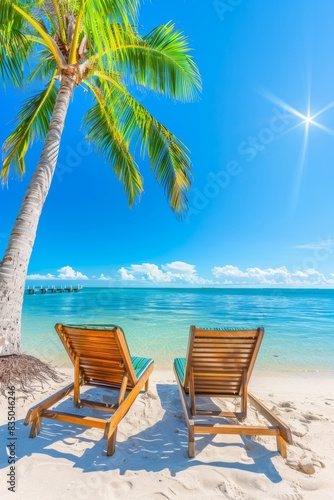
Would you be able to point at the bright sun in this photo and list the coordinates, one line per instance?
(307, 120)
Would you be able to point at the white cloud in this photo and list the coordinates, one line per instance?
(125, 275)
(174, 272)
(271, 276)
(182, 273)
(68, 273)
(64, 273)
(227, 271)
(104, 278)
(151, 272)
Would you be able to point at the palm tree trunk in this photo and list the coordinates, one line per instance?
(14, 266)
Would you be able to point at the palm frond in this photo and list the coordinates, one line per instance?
(32, 120)
(121, 11)
(168, 156)
(37, 26)
(161, 61)
(60, 20)
(108, 140)
(14, 46)
(105, 37)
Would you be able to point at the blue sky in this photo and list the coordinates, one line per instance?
(261, 209)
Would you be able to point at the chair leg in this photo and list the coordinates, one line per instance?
(112, 443)
(76, 392)
(35, 427)
(281, 446)
(244, 396)
(191, 442)
(147, 384)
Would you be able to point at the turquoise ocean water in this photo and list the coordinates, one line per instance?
(299, 324)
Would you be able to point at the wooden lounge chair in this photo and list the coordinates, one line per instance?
(219, 364)
(101, 358)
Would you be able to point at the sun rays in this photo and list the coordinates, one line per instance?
(307, 120)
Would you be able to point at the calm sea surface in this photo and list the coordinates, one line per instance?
(299, 324)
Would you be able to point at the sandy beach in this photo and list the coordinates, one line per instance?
(151, 462)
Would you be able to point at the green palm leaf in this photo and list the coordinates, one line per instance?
(107, 138)
(161, 61)
(168, 156)
(105, 37)
(32, 120)
(14, 46)
(117, 11)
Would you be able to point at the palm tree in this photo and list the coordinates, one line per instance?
(96, 45)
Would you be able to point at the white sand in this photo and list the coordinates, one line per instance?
(151, 462)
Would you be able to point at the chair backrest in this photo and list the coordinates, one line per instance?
(102, 350)
(221, 361)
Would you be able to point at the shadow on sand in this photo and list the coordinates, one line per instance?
(161, 445)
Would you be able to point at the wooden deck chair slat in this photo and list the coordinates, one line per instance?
(216, 341)
(216, 334)
(100, 346)
(204, 371)
(224, 346)
(89, 351)
(100, 353)
(103, 348)
(215, 389)
(207, 378)
(220, 356)
(215, 383)
(105, 341)
(219, 364)
(212, 389)
(101, 358)
(223, 353)
(91, 332)
(226, 340)
(77, 332)
(89, 360)
(103, 374)
(108, 370)
(230, 377)
(198, 348)
(101, 377)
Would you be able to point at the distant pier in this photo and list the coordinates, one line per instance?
(52, 289)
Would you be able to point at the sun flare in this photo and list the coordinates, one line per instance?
(307, 120)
